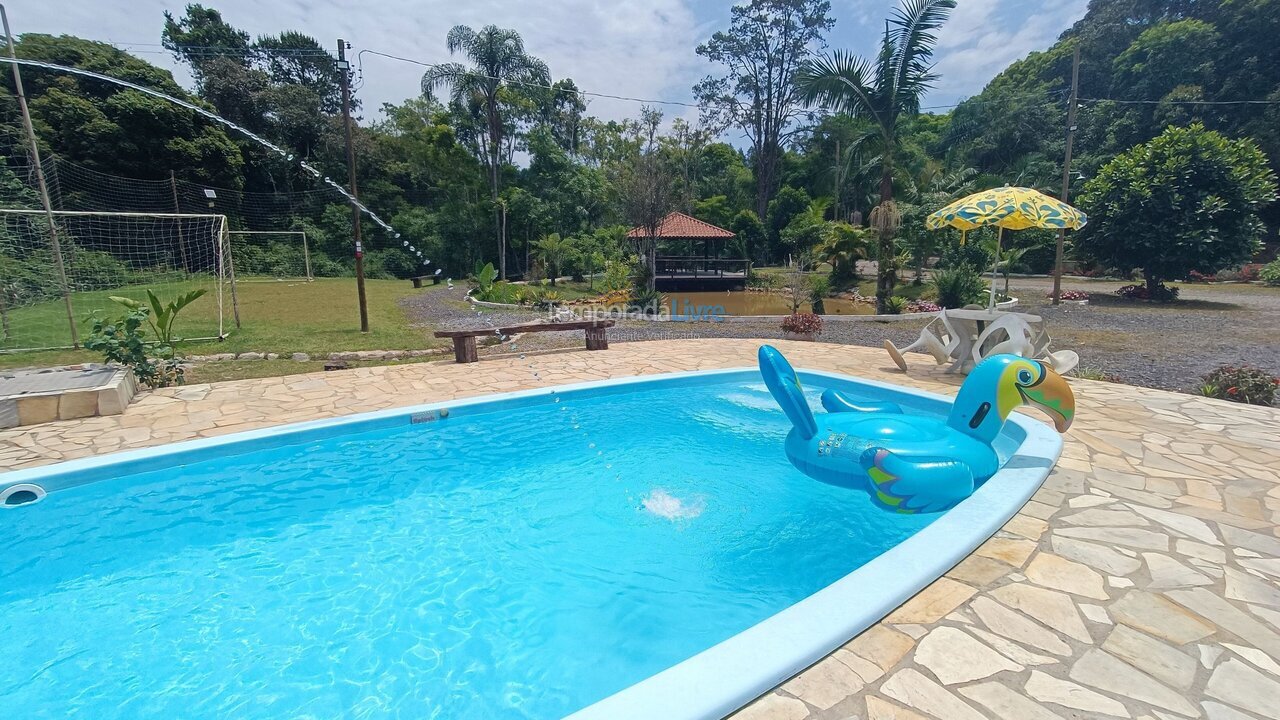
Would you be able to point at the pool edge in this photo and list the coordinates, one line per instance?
(728, 675)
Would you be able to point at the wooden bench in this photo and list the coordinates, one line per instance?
(464, 341)
(417, 281)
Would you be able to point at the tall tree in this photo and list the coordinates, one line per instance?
(764, 47)
(498, 60)
(887, 90)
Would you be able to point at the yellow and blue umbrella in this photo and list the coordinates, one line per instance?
(1013, 208)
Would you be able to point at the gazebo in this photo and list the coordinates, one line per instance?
(678, 266)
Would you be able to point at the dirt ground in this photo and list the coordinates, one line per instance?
(1164, 346)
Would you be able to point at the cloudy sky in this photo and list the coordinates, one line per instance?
(642, 48)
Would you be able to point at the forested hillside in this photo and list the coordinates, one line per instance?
(500, 151)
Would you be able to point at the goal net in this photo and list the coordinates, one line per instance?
(270, 255)
(55, 278)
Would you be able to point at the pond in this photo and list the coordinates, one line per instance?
(738, 302)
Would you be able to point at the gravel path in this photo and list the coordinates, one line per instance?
(1168, 347)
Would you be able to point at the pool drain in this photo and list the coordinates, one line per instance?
(21, 494)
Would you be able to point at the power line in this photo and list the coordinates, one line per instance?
(652, 101)
(1182, 102)
(540, 86)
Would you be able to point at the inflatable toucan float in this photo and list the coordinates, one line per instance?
(913, 463)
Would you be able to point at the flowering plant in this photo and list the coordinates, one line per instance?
(923, 306)
(1071, 295)
(1241, 384)
(802, 324)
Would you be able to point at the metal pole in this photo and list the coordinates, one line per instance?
(58, 265)
(343, 70)
(231, 270)
(306, 256)
(1066, 171)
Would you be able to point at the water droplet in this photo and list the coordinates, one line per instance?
(413, 249)
(521, 356)
(405, 243)
(576, 426)
(438, 271)
(397, 236)
(609, 466)
(592, 446)
(557, 399)
(599, 453)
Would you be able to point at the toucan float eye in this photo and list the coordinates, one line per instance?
(1024, 377)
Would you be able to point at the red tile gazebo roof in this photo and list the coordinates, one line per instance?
(677, 225)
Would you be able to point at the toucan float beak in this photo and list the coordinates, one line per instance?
(1054, 397)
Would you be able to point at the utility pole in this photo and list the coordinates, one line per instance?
(1066, 171)
(34, 148)
(344, 70)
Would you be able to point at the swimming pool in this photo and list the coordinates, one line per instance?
(637, 548)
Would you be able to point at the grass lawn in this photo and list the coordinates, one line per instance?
(285, 317)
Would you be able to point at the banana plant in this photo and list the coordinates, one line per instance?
(161, 316)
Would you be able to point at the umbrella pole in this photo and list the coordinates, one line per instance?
(995, 268)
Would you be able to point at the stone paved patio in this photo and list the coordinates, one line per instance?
(1142, 581)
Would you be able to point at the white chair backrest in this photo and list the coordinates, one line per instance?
(1017, 338)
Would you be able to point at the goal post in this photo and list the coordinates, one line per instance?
(106, 255)
(270, 255)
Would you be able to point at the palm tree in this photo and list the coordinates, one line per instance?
(552, 250)
(498, 60)
(842, 246)
(885, 90)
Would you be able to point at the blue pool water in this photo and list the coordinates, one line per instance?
(513, 564)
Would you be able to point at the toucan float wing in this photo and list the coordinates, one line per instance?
(916, 485)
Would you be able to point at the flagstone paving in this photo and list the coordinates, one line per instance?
(1142, 581)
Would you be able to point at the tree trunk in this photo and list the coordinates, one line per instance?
(885, 276)
(495, 140)
(1153, 283)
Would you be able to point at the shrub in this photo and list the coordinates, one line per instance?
(764, 281)
(1199, 277)
(895, 305)
(802, 324)
(1241, 384)
(1270, 273)
(646, 302)
(819, 288)
(958, 286)
(973, 254)
(1141, 292)
(122, 340)
(1187, 200)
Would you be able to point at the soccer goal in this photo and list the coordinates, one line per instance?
(55, 277)
(270, 255)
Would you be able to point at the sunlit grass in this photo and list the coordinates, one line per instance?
(283, 317)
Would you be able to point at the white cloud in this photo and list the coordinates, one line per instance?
(984, 36)
(643, 48)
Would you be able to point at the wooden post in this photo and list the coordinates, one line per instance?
(177, 209)
(597, 339)
(344, 71)
(34, 148)
(1066, 171)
